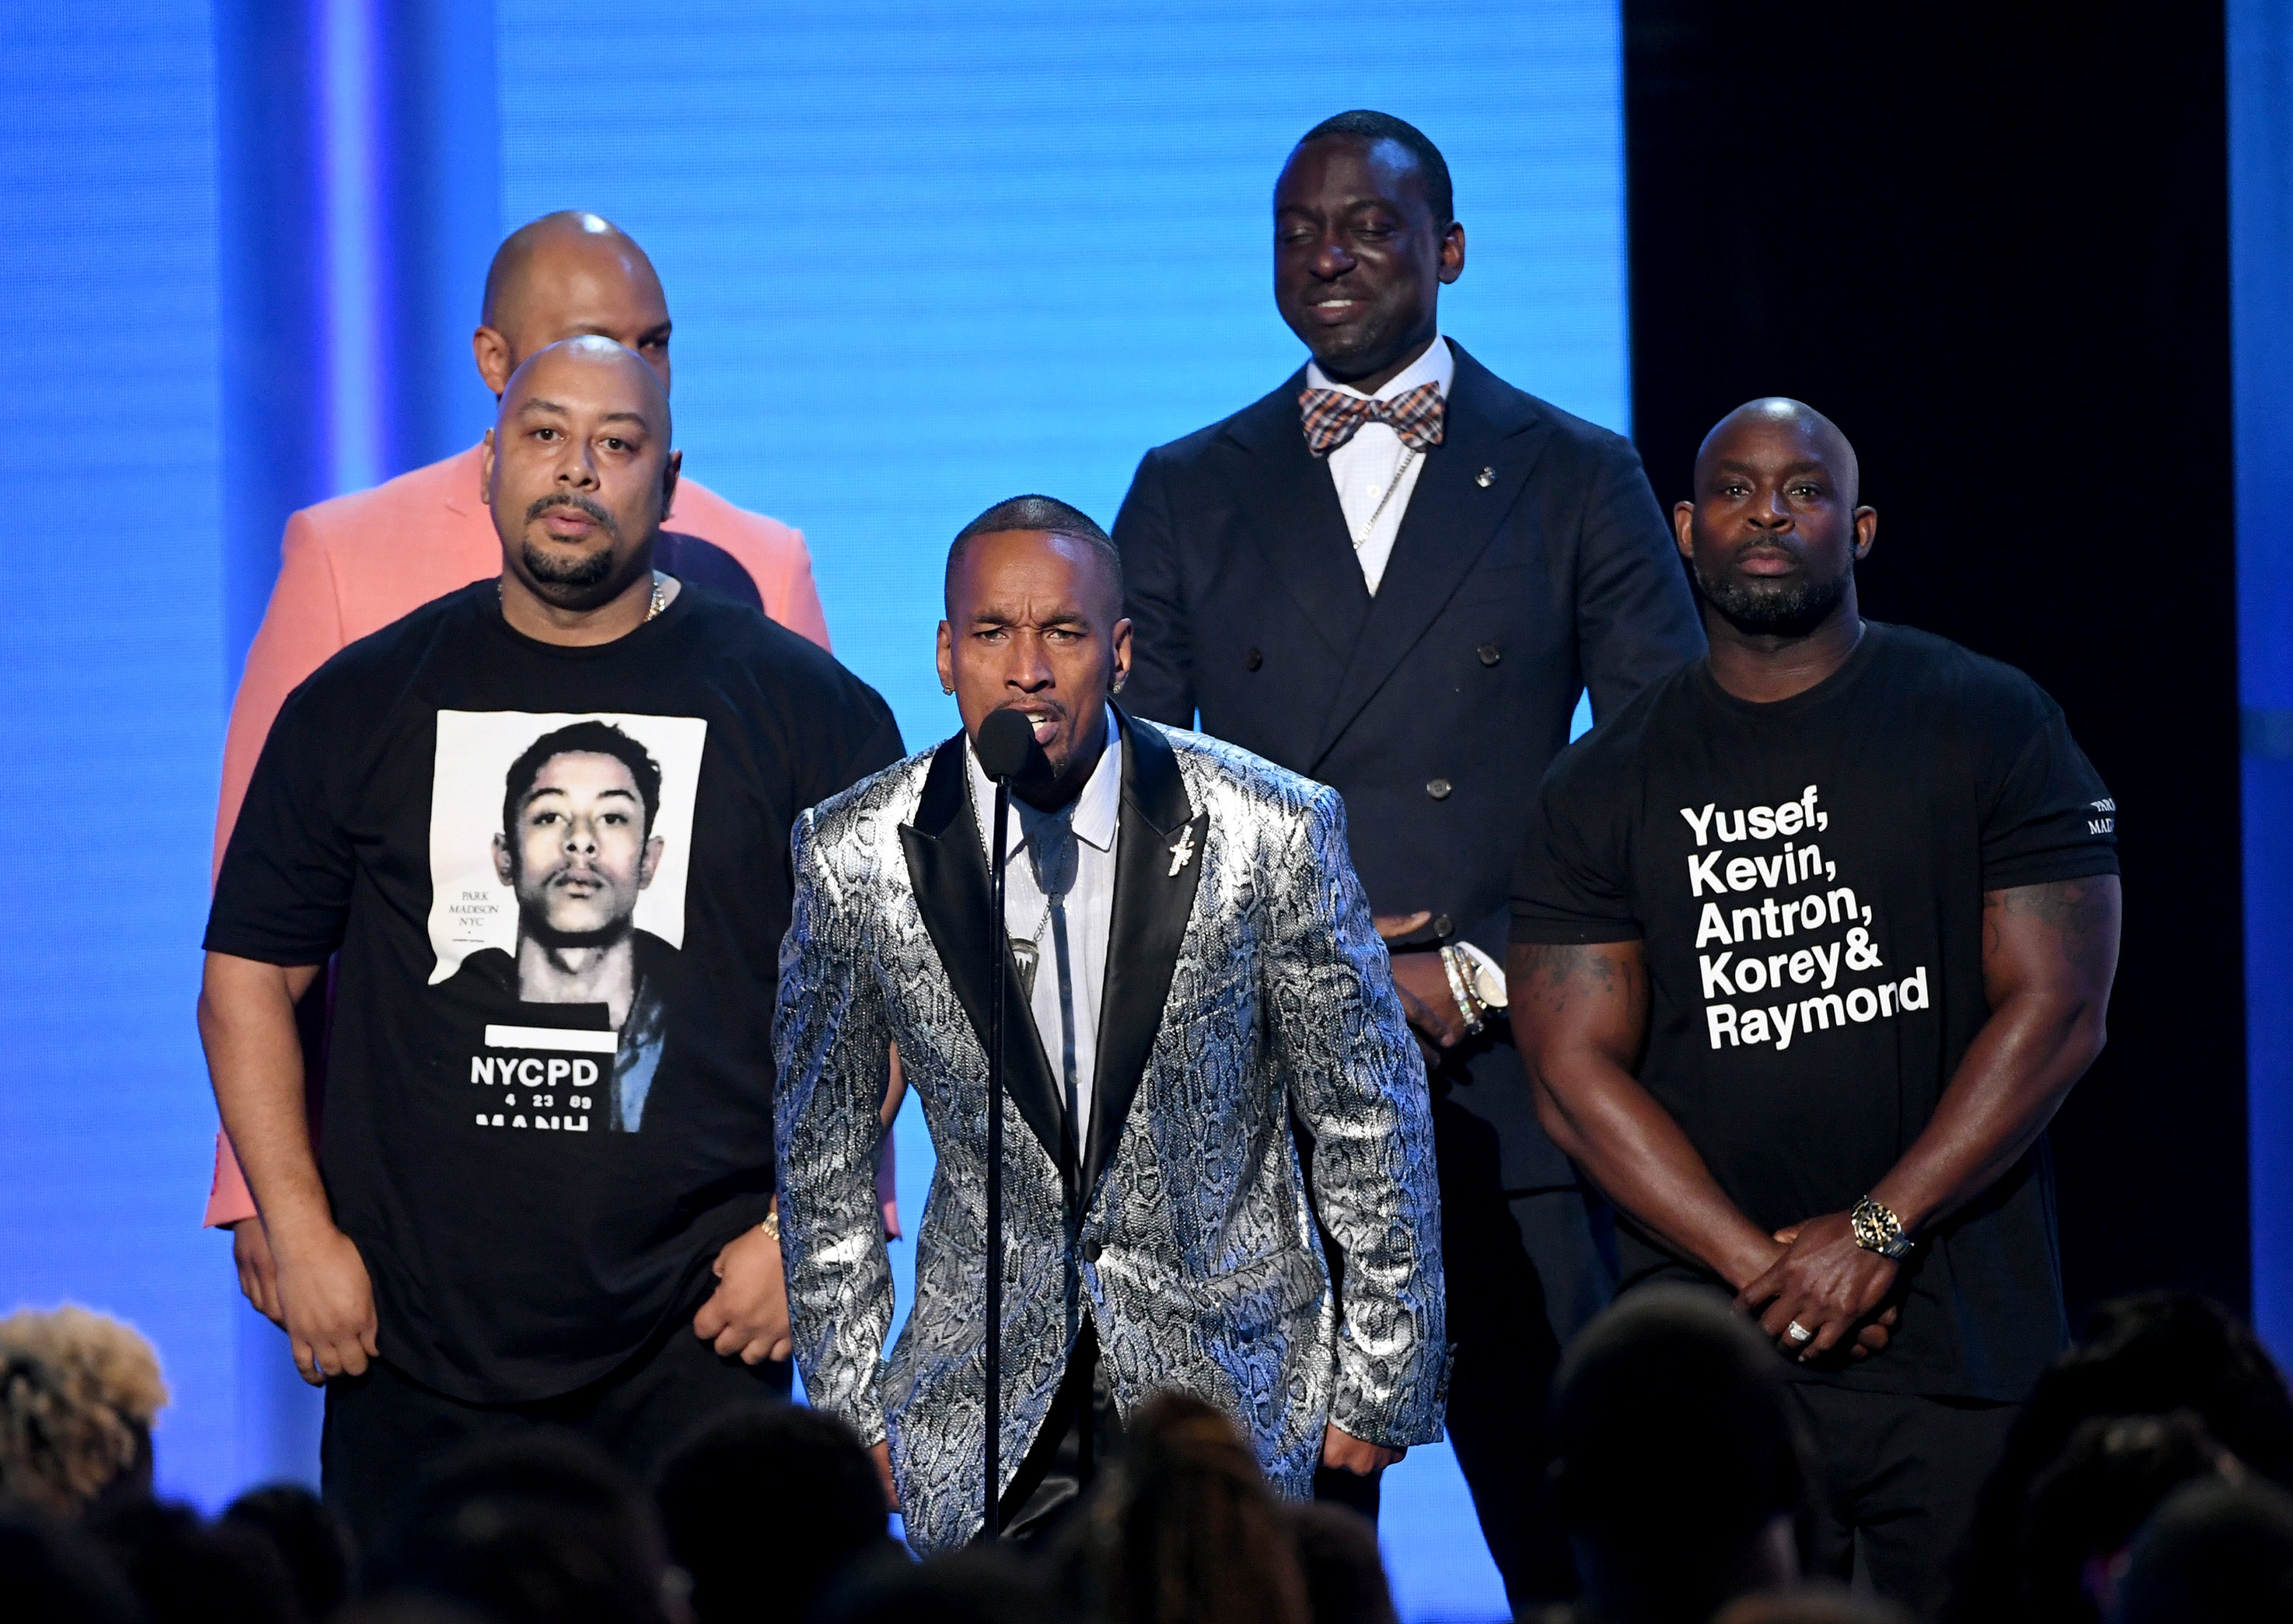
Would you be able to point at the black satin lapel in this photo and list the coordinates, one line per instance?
(1451, 520)
(1289, 503)
(948, 867)
(1158, 867)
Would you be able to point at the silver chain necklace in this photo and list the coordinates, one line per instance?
(1400, 468)
(1026, 950)
(659, 595)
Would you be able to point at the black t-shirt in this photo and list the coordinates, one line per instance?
(558, 879)
(1808, 877)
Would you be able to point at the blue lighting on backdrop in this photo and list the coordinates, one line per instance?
(919, 258)
(2260, 51)
(113, 680)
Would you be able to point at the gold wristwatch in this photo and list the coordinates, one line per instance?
(1878, 1230)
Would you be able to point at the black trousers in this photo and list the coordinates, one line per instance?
(1078, 1436)
(1524, 1274)
(1897, 1483)
(384, 1429)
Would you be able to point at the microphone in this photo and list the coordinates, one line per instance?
(1007, 750)
(1007, 747)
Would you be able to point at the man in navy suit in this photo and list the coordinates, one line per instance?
(1395, 574)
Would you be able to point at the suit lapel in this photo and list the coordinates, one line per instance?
(1451, 519)
(1158, 867)
(1290, 505)
(947, 864)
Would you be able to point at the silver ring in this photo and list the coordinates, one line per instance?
(1798, 1332)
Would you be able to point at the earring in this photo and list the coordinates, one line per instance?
(1116, 686)
(947, 688)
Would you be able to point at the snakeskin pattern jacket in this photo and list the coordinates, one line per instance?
(1245, 985)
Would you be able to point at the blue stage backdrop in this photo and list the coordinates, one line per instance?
(111, 682)
(921, 257)
(2260, 49)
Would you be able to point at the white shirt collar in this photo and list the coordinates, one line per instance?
(1096, 809)
(1438, 365)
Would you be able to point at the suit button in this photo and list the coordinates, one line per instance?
(1252, 660)
(1439, 789)
(1091, 1250)
(1444, 927)
(1490, 654)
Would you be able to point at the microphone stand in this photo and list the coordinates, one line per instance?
(1000, 942)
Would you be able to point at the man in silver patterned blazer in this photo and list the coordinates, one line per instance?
(1195, 968)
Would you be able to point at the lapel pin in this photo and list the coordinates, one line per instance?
(1182, 851)
(1486, 478)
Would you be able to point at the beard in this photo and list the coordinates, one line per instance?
(556, 574)
(1791, 609)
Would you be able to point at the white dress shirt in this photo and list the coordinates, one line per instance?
(1374, 460)
(1089, 907)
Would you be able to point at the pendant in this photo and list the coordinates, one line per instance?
(1026, 954)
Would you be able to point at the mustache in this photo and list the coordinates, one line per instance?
(580, 503)
(1049, 706)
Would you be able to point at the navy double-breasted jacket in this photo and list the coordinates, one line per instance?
(1533, 562)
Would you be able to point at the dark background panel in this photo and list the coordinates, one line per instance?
(1994, 250)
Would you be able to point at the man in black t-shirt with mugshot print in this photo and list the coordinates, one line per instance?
(1810, 942)
(544, 823)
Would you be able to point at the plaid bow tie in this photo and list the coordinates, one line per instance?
(1332, 416)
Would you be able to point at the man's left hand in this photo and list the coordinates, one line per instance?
(1340, 1448)
(1426, 999)
(1823, 1283)
(747, 1313)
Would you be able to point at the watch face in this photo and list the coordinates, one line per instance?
(1489, 985)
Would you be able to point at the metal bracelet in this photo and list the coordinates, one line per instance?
(1468, 1006)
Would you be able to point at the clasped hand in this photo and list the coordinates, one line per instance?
(1824, 1283)
(1423, 988)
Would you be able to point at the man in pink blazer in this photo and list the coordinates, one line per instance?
(353, 565)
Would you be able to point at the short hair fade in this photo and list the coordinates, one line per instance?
(1044, 513)
(1364, 125)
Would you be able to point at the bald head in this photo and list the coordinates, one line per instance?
(594, 371)
(1775, 531)
(564, 276)
(1776, 417)
(580, 470)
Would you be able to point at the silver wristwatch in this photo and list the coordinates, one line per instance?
(1878, 1230)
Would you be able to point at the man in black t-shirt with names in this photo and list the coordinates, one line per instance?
(544, 823)
(1810, 942)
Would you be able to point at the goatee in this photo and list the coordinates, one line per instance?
(569, 576)
(1790, 610)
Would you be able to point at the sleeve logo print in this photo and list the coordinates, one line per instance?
(1799, 903)
(559, 850)
(2107, 821)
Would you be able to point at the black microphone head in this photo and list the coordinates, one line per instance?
(1007, 747)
